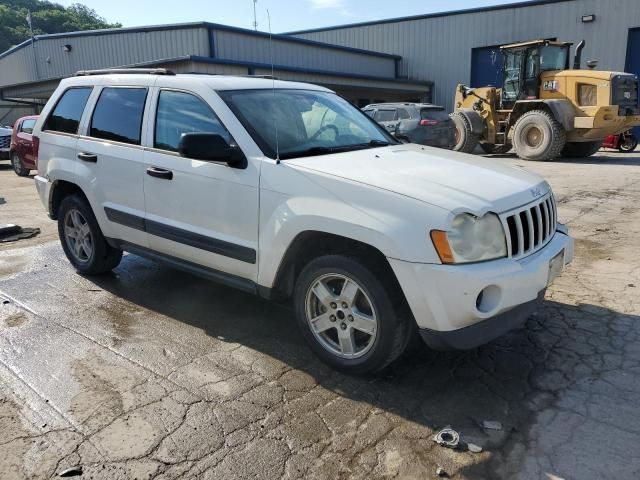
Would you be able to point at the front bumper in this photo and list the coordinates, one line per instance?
(5, 153)
(445, 302)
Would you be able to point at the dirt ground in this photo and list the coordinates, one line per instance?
(152, 373)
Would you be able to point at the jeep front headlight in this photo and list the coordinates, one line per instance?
(471, 239)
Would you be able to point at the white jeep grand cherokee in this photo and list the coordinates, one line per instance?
(288, 191)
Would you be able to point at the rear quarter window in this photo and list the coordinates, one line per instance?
(118, 115)
(66, 115)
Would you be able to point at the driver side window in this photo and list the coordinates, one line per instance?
(181, 112)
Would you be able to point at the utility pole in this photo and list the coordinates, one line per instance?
(255, 18)
(33, 44)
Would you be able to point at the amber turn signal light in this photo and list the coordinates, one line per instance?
(441, 243)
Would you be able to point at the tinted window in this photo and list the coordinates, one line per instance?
(67, 113)
(118, 115)
(179, 113)
(370, 112)
(403, 114)
(385, 115)
(434, 114)
(27, 126)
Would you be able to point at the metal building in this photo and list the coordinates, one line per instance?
(30, 72)
(461, 46)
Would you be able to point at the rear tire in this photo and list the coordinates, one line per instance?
(538, 136)
(466, 141)
(332, 325)
(82, 240)
(580, 149)
(629, 145)
(490, 148)
(17, 165)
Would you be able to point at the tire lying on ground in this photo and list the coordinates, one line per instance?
(582, 149)
(465, 140)
(538, 136)
(495, 149)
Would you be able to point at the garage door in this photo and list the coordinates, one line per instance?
(486, 67)
(633, 58)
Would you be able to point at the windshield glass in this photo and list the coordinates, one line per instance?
(305, 122)
(553, 58)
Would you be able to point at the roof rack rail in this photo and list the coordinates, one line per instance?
(131, 71)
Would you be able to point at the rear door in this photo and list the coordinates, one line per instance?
(203, 212)
(111, 160)
(387, 117)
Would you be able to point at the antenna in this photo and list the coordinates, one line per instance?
(255, 18)
(273, 80)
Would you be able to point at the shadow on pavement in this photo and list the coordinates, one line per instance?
(509, 380)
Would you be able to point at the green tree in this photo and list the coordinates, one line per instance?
(46, 17)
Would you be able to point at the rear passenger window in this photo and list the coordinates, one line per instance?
(385, 115)
(118, 115)
(403, 114)
(68, 111)
(180, 112)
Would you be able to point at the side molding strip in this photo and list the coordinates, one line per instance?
(189, 267)
(214, 245)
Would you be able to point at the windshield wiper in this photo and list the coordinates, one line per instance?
(313, 151)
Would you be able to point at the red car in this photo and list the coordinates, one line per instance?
(23, 158)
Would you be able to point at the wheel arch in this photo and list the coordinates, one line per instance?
(60, 189)
(310, 244)
(562, 111)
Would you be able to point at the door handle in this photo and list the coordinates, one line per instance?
(160, 173)
(88, 157)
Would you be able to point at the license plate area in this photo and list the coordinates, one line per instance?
(555, 267)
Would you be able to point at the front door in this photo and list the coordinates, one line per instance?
(24, 142)
(201, 212)
(110, 161)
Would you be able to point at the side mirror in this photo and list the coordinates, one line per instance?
(211, 147)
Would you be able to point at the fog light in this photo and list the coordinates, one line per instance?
(488, 299)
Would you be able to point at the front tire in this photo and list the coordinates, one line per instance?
(538, 136)
(17, 165)
(349, 315)
(466, 141)
(82, 240)
(580, 149)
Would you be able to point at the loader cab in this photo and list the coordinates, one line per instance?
(523, 64)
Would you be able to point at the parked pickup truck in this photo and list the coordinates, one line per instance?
(287, 191)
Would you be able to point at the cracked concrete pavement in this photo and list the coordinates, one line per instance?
(153, 373)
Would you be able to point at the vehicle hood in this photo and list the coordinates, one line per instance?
(5, 131)
(450, 180)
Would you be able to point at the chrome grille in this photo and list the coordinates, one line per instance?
(5, 142)
(531, 227)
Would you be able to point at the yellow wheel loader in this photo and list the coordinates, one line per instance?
(545, 109)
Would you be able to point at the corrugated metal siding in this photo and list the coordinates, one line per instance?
(439, 48)
(100, 51)
(243, 47)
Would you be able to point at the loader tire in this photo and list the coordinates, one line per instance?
(466, 141)
(490, 148)
(580, 149)
(538, 136)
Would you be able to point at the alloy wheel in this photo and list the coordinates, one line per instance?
(341, 315)
(77, 234)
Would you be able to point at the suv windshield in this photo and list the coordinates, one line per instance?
(298, 123)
